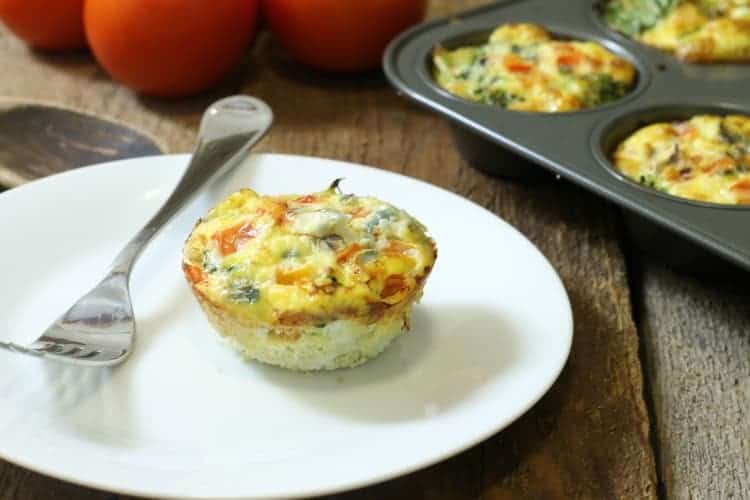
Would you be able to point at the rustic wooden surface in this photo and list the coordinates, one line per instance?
(697, 358)
(590, 436)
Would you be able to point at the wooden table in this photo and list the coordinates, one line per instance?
(655, 399)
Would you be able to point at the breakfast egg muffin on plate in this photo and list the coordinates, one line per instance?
(694, 30)
(706, 158)
(308, 282)
(523, 68)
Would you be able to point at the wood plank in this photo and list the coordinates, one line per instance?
(697, 346)
(589, 437)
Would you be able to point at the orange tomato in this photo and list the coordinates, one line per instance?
(46, 24)
(169, 47)
(340, 35)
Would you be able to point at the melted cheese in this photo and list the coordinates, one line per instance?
(309, 259)
(694, 30)
(706, 158)
(522, 68)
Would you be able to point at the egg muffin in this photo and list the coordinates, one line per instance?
(308, 282)
(523, 68)
(706, 158)
(694, 30)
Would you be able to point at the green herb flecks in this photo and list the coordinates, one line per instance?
(335, 185)
(648, 180)
(633, 17)
(208, 263)
(249, 294)
(378, 217)
(604, 89)
(733, 134)
(501, 98)
(289, 253)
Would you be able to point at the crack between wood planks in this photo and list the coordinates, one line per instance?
(634, 269)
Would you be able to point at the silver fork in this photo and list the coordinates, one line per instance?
(99, 329)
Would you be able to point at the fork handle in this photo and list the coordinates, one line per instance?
(229, 128)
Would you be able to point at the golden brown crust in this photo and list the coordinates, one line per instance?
(290, 321)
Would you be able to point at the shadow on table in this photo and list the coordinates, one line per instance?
(420, 375)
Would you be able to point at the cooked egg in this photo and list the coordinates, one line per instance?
(694, 30)
(523, 68)
(307, 282)
(706, 158)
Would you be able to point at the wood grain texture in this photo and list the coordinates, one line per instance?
(589, 436)
(697, 353)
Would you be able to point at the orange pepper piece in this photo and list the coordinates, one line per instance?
(194, 273)
(569, 59)
(291, 277)
(718, 165)
(396, 248)
(229, 240)
(348, 252)
(393, 285)
(516, 64)
(308, 198)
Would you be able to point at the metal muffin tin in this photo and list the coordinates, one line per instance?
(577, 145)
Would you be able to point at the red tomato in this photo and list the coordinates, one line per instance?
(340, 35)
(169, 47)
(46, 24)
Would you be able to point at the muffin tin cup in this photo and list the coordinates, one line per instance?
(487, 156)
(576, 145)
(676, 252)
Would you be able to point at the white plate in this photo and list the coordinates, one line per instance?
(185, 417)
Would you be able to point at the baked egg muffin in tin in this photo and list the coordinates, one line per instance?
(308, 282)
(523, 68)
(706, 158)
(694, 30)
